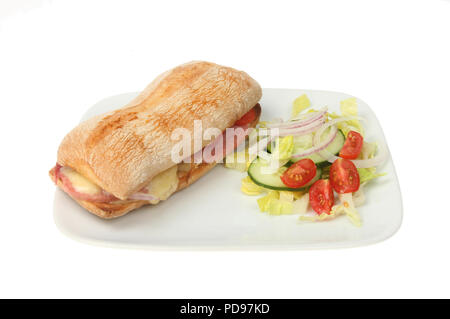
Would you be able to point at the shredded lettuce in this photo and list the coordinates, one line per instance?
(263, 202)
(283, 147)
(343, 126)
(303, 142)
(301, 204)
(287, 196)
(273, 205)
(300, 104)
(274, 167)
(316, 218)
(347, 207)
(367, 174)
(248, 187)
(298, 195)
(349, 108)
(263, 124)
(239, 160)
(284, 203)
(368, 150)
(281, 151)
(278, 207)
(236, 161)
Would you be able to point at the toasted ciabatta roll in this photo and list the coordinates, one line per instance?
(105, 161)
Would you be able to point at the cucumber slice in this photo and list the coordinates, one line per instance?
(273, 181)
(333, 148)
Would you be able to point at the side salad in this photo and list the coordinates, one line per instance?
(316, 159)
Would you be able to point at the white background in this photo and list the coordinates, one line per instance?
(59, 57)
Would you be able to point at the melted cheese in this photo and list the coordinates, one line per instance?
(164, 184)
(80, 183)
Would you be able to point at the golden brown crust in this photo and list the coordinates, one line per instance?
(117, 209)
(121, 151)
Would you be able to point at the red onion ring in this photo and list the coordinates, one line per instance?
(312, 116)
(301, 123)
(371, 162)
(320, 146)
(379, 159)
(302, 130)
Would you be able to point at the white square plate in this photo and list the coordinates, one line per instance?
(214, 214)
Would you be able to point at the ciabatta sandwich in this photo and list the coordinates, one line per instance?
(114, 163)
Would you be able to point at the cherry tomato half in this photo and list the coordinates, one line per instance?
(299, 173)
(321, 196)
(352, 146)
(248, 117)
(344, 176)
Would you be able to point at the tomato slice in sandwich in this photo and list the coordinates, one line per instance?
(248, 117)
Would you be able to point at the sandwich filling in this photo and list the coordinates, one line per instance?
(160, 187)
